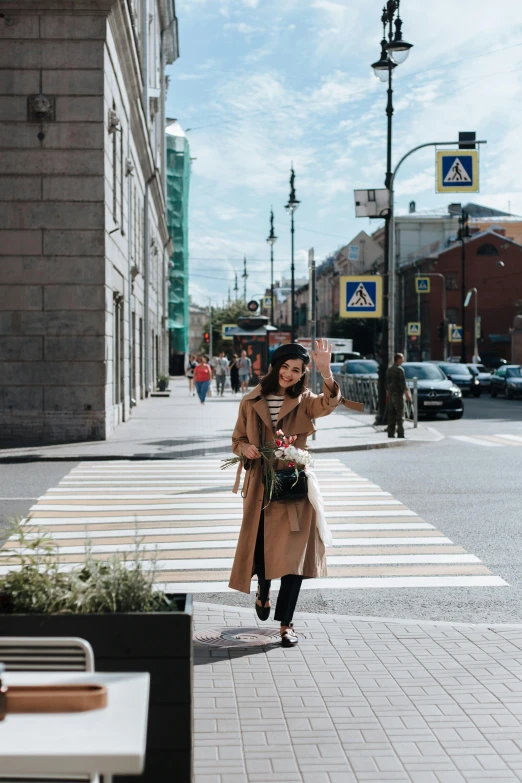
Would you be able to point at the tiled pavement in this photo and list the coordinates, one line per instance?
(359, 700)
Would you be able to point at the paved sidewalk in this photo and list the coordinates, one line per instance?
(179, 426)
(360, 699)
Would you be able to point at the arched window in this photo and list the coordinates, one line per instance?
(487, 249)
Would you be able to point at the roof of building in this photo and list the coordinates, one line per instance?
(434, 251)
(175, 129)
(475, 212)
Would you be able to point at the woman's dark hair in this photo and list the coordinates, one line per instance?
(270, 382)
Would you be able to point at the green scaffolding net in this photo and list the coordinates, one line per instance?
(178, 181)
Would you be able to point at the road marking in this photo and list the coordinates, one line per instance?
(189, 527)
(476, 441)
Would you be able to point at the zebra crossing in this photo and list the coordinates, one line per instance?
(187, 521)
(489, 441)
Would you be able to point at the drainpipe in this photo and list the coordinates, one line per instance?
(129, 174)
(145, 56)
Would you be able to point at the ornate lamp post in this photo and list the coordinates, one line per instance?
(291, 207)
(393, 52)
(271, 239)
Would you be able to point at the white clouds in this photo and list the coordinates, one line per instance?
(305, 92)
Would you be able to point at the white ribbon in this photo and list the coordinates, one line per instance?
(316, 499)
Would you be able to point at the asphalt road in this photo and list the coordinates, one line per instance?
(468, 491)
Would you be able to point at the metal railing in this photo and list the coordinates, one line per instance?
(366, 390)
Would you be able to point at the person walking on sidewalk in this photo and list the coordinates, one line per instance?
(396, 389)
(202, 377)
(220, 373)
(245, 371)
(281, 540)
(189, 372)
(234, 374)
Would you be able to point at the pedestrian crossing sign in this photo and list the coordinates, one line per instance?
(454, 333)
(422, 285)
(457, 171)
(225, 331)
(361, 296)
(414, 328)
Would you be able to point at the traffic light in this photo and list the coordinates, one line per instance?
(441, 330)
(206, 337)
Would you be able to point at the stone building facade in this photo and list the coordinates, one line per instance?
(84, 245)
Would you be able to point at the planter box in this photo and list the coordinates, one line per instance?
(157, 642)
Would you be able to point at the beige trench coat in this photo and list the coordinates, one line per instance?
(292, 543)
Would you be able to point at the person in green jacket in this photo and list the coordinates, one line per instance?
(396, 389)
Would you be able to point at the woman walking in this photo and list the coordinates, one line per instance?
(202, 377)
(281, 540)
(189, 372)
(234, 374)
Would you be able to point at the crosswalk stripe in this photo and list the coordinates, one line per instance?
(476, 441)
(188, 524)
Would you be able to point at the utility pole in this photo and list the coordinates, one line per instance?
(236, 288)
(312, 310)
(245, 276)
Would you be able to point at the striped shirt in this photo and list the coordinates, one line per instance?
(274, 402)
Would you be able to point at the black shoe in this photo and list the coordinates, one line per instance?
(391, 436)
(263, 612)
(289, 638)
(401, 436)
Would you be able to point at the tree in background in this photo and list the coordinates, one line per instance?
(220, 316)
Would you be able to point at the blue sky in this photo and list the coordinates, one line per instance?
(260, 83)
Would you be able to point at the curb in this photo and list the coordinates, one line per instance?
(23, 458)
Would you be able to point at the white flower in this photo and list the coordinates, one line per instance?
(279, 453)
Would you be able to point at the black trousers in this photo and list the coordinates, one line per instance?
(290, 584)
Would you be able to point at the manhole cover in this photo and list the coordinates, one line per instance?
(238, 637)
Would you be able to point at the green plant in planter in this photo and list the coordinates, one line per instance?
(39, 585)
(163, 382)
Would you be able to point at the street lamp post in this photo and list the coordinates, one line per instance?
(476, 357)
(271, 241)
(463, 235)
(394, 51)
(291, 207)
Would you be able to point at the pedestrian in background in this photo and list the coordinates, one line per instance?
(220, 373)
(202, 377)
(396, 390)
(234, 374)
(189, 372)
(280, 540)
(245, 371)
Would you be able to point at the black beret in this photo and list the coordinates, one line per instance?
(291, 351)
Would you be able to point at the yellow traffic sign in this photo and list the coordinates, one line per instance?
(225, 331)
(422, 285)
(454, 333)
(361, 296)
(457, 171)
(414, 328)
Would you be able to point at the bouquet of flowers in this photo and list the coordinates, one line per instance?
(280, 448)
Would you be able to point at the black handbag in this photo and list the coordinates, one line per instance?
(287, 485)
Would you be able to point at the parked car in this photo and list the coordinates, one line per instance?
(435, 393)
(362, 368)
(336, 367)
(483, 375)
(462, 376)
(507, 380)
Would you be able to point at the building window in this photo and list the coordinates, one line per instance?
(487, 249)
(122, 183)
(452, 314)
(452, 281)
(114, 171)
